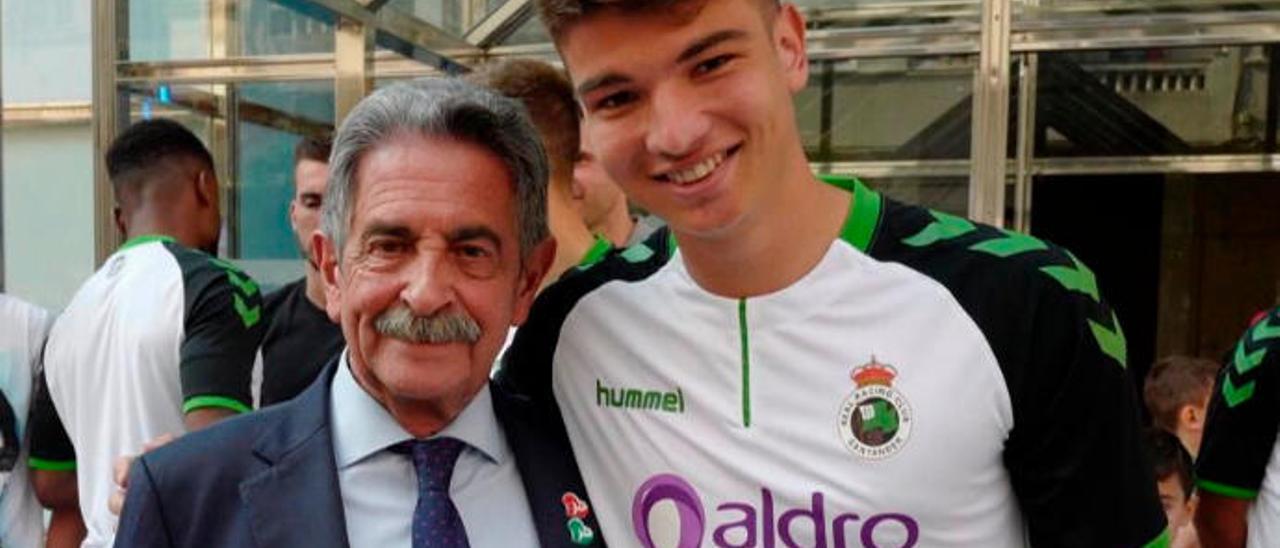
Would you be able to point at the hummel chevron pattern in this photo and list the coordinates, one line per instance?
(1236, 392)
(249, 315)
(1004, 244)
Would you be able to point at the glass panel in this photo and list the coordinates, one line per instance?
(1059, 10)
(829, 14)
(168, 29)
(46, 51)
(445, 14)
(892, 108)
(273, 117)
(532, 31)
(269, 28)
(163, 30)
(48, 211)
(1152, 102)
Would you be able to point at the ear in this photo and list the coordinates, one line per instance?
(577, 190)
(534, 269)
(1191, 417)
(326, 257)
(788, 38)
(293, 206)
(119, 217)
(206, 188)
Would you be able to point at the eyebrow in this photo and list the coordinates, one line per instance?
(475, 232)
(708, 42)
(383, 229)
(695, 49)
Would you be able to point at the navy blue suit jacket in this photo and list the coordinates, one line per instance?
(268, 479)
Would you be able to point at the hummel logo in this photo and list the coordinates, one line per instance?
(632, 398)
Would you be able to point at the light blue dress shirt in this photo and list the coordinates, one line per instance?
(379, 487)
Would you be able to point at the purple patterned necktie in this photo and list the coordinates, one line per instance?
(436, 523)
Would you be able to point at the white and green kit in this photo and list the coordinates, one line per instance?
(158, 331)
(931, 382)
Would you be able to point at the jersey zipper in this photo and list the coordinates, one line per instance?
(746, 363)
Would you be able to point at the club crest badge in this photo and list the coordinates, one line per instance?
(875, 420)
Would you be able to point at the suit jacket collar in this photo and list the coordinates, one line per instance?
(557, 495)
(294, 500)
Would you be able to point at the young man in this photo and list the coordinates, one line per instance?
(548, 97)
(300, 338)
(814, 364)
(161, 339)
(1176, 392)
(1171, 464)
(603, 206)
(1238, 470)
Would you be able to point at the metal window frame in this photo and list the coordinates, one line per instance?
(997, 31)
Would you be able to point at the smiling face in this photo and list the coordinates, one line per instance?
(691, 113)
(433, 230)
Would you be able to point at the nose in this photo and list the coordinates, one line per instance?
(677, 125)
(428, 285)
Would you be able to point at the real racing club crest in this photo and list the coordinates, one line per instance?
(875, 420)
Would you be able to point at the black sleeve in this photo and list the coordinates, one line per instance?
(1075, 454)
(222, 329)
(142, 519)
(51, 447)
(1244, 415)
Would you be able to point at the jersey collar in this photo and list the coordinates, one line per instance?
(145, 239)
(860, 226)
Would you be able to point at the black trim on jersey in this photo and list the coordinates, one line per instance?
(51, 447)
(222, 329)
(1244, 414)
(1074, 454)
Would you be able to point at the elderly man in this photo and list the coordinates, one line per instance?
(434, 241)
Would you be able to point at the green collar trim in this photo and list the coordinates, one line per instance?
(599, 249)
(864, 213)
(145, 239)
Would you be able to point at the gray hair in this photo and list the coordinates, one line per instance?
(446, 107)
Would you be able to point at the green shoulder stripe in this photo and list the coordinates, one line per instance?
(1161, 541)
(51, 465)
(1226, 490)
(146, 239)
(596, 253)
(200, 402)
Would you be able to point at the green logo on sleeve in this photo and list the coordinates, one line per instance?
(244, 287)
(1233, 394)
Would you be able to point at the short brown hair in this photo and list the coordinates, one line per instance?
(1176, 381)
(547, 95)
(559, 15)
(313, 147)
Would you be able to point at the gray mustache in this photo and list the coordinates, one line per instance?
(399, 322)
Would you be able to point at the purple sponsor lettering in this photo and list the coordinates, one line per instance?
(675, 489)
(742, 523)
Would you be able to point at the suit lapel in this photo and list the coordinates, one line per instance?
(548, 471)
(295, 500)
